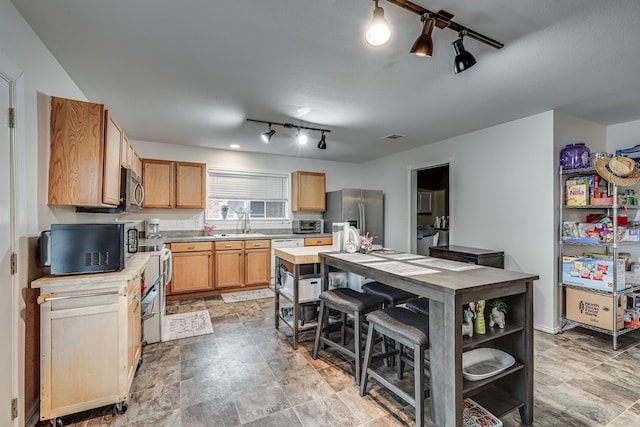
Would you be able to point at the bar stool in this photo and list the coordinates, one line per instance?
(419, 305)
(392, 296)
(408, 329)
(347, 302)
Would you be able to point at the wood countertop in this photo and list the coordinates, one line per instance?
(133, 267)
(302, 254)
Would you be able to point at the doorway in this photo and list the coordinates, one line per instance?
(431, 206)
(9, 303)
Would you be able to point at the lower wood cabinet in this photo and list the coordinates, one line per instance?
(90, 339)
(243, 263)
(192, 267)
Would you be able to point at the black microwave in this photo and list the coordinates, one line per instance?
(87, 248)
(131, 195)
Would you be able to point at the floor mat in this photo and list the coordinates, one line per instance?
(184, 325)
(247, 295)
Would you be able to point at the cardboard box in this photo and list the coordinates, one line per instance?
(577, 194)
(594, 273)
(593, 308)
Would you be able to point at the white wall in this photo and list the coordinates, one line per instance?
(40, 72)
(502, 196)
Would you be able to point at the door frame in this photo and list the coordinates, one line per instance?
(412, 191)
(10, 73)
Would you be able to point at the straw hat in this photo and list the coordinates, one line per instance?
(618, 170)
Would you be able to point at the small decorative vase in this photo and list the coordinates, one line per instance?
(224, 214)
(479, 326)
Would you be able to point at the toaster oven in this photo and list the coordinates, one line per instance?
(306, 226)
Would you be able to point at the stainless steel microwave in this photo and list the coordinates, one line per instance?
(305, 226)
(87, 248)
(131, 194)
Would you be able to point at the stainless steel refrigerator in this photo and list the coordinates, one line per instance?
(364, 209)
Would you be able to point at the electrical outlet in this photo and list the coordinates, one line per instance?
(180, 224)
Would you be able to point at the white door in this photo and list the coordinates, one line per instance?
(7, 305)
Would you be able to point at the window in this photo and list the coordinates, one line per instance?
(264, 195)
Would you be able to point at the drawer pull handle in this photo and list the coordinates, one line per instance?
(47, 297)
(228, 246)
(191, 247)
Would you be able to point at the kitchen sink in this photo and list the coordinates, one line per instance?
(239, 235)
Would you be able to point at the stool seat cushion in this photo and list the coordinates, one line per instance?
(401, 322)
(419, 305)
(389, 293)
(352, 300)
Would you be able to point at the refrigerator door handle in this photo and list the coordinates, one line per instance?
(362, 219)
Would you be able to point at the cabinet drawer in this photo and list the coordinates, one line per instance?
(257, 244)
(227, 245)
(318, 241)
(190, 246)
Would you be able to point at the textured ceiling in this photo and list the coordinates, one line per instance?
(191, 72)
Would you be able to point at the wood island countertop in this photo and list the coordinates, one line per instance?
(302, 254)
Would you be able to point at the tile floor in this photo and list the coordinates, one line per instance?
(247, 374)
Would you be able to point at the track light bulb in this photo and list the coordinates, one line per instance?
(464, 60)
(266, 137)
(322, 144)
(423, 46)
(379, 32)
(302, 138)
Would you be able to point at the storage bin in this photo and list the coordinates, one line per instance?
(309, 286)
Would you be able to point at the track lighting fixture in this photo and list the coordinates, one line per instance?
(301, 137)
(378, 32)
(464, 60)
(322, 144)
(266, 137)
(423, 46)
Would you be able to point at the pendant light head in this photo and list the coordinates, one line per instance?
(302, 138)
(266, 137)
(464, 60)
(378, 32)
(423, 46)
(322, 144)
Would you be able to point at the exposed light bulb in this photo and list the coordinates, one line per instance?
(302, 138)
(378, 33)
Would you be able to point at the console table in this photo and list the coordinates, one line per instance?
(449, 285)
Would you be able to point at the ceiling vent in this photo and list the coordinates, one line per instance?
(393, 136)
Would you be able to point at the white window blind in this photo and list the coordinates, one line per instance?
(246, 186)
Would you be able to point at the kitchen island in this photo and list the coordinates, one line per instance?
(297, 257)
(449, 285)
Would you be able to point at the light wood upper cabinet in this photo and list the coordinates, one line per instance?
(112, 147)
(190, 185)
(77, 146)
(174, 185)
(158, 182)
(308, 191)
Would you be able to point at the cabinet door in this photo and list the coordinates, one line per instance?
(111, 173)
(80, 343)
(190, 185)
(308, 191)
(75, 164)
(257, 267)
(192, 272)
(134, 345)
(157, 180)
(229, 269)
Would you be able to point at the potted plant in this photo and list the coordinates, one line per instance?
(224, 210)
(498, 313)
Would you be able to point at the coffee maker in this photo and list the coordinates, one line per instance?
(152, 229)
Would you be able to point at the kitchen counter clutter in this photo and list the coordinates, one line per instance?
(90, 339)
(450, 285)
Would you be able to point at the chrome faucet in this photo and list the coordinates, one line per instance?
(247, 221)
